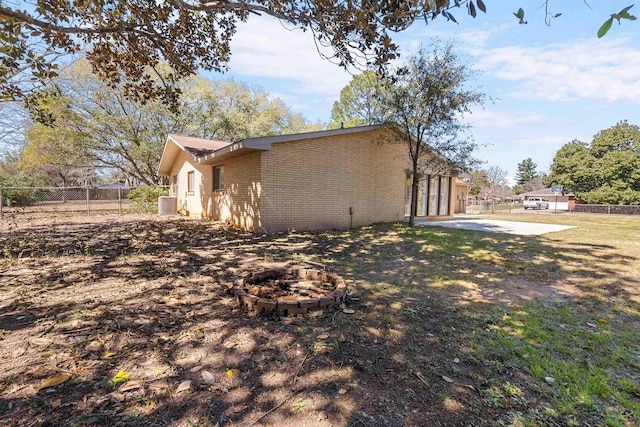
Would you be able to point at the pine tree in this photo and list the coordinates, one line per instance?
(526, 171)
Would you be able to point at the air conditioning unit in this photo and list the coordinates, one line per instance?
(167, 205)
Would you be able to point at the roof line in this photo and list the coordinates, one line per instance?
(263, 143)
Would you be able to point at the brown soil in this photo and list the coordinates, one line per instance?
(90, 297)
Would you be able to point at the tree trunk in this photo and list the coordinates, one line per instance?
(415, 180)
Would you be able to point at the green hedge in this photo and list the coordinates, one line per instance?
(145, 199)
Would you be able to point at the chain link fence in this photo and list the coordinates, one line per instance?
(491, 207)
(63, 200)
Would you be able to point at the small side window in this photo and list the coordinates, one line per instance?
(218, 178)
(191, 182)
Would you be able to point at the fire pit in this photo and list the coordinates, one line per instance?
(294, 290)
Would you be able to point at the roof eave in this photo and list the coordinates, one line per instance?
(168, 156)
(230, 151)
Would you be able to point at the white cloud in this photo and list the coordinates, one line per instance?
(503, 119)
(605, 71)
(263, 48)
(479, 38)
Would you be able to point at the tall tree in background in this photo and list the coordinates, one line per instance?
(228, 110)
(360, 103)
(527, 177)
(526, 171)
(57, 155)
(105, 129)
(497, 182)
(605, 171)
(13, 122)
(479, 182)
(425, 100)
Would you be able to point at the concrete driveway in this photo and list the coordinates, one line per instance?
(496, 226)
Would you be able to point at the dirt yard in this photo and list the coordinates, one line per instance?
(127, 321)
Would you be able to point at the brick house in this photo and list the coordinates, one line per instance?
(309, 181)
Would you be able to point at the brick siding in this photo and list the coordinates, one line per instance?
(313, 184)
(304, 185)
(239, 203)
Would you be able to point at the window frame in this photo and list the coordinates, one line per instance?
(218, 178)
(191, 181)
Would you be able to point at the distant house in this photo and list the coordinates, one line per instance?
(309, 181)
(562, 202)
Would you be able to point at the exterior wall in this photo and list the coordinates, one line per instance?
(332, 182)
(239, 203)
(197, 202)
(459, 199)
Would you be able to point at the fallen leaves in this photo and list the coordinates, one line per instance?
(93, 346)
(421, 378)
(208, 377)
(130, 385)
(18, 352)
(184, 386)
(120, 378)
(42, 341)
(158, 386)
(53, 381)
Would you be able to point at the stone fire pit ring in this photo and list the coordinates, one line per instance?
(245, 293)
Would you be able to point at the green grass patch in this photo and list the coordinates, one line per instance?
(583, 369)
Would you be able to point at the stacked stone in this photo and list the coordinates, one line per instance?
(288, 306)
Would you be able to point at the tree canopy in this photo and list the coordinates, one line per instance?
(359, 103)
(605, 171)
(526, 171)
(127, 40)
(85, 122)
(425, 98)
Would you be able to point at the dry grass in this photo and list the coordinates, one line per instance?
(451, 327)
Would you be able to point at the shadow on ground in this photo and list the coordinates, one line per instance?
(149, 297)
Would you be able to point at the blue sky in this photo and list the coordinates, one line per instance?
(550, 84)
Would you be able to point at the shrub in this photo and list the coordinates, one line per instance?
(145, 199)
(23, 196)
